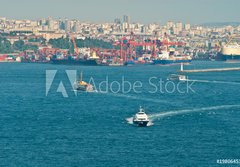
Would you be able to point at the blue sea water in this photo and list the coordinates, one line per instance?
(194, 128)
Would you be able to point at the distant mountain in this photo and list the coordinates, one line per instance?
(220, 24)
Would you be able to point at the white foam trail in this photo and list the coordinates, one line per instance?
(218, 82)
(180, 112)
(130, 120)
(153, 117)
(150, 123)
(138, 98)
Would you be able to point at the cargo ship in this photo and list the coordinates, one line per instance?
(229, 53)
(171, 58)
(71, 61)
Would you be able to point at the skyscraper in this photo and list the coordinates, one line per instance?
(170, 24)
(117, 21)
(50, 23)
(67, 25)
(126, 19)
(179, 26)
(187, 27)
(76, 26)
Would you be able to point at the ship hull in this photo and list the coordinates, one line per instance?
(74, 62)
(81, 88)
(169, 62)
(228, 58)
(84, 88)
(129, 63)
(141, 123)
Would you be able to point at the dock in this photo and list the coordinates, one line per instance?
(210, 70)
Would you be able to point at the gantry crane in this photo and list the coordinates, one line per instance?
(128, 46)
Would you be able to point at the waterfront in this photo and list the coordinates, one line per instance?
(91, 129)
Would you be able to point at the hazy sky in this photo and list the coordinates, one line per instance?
(146, 11)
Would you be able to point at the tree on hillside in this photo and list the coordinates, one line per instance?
(21, 46)
(18, 45)
(5, 46)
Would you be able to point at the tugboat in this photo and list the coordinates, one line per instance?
(83, 86)
(141, 119)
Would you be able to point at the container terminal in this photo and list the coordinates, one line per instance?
(118, 43)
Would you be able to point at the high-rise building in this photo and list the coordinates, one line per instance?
(76, 26)
(187, 26)
(175, 31)
(179, 26)
(126, 19)
(67, 25)
(125, 27)
(43, 22)
(170, 24)
(50, 23)
(61, 25)
(117, 21)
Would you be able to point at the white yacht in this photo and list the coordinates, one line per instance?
(141, 118)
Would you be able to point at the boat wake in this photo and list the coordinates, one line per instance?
(217, 82)
(138, 98)
(161, 115)
(181, 112)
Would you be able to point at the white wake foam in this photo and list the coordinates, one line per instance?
(180, 112)
(154, 117)
(138, 98)
(217, 82)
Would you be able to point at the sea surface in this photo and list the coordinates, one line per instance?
(194, 127)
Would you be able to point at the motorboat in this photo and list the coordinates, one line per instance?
(141, 119)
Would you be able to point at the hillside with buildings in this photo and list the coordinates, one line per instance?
(33, 36)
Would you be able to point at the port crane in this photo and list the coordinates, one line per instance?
(128, 46)
(76, 52)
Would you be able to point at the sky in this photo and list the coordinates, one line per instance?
(144, 11)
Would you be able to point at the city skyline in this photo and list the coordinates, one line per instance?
(106, 11)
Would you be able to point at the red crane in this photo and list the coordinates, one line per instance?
(128, 45)
(74, 44)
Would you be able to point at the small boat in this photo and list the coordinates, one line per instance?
(83, 86)
(176, 77)
(141, 119)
